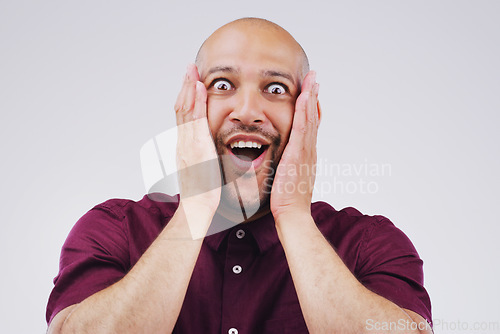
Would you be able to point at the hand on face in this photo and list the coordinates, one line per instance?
(294, 179)
(197, 161)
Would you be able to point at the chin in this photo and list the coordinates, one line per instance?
(240, 203)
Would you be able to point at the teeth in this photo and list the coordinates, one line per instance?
(243, 144)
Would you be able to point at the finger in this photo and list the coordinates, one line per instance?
(312, 108)
(305, 124)
(309, 80)
(180, 97)
(179, 104)
(307, 98)
(193, 72)
(301, 102)
(185, 99)
(316, 110)
(312, 120)
(299, 118)
(312, 87)
(200, 104)
(190, 96)
(319, 113)
(295, 147)
(190, 78)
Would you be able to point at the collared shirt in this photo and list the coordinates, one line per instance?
(241, 282)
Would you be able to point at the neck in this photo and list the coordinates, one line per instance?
(236, 214)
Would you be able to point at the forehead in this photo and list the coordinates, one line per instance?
(252, 49)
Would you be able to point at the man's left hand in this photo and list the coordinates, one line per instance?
(294, 179)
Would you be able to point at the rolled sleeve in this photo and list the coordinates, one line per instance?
(93, 257)
(390, 266)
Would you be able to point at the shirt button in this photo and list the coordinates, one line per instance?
(236, 270)
(232, 331)
(240, 234)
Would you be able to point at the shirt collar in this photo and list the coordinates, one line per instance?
(263, 231)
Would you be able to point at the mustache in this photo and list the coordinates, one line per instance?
(273, 137)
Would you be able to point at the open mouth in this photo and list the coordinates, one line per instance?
(247, 150)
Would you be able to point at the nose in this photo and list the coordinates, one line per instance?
(248, 108)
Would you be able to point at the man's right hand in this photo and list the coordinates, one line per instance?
(148, 299)
(197, 160)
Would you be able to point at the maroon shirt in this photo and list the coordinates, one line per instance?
(241, 279)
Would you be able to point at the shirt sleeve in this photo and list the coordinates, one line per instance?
(94, 256)
(390, 266)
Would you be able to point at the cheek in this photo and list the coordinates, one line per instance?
(282, 121)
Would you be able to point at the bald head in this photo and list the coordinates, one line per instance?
(258, 29)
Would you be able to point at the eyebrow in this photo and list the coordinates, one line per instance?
(226, 69)
(285, 75)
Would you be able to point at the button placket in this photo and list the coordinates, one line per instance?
(240, 253)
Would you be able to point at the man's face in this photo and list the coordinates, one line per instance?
(253, 78)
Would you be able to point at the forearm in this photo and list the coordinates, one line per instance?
(331, 298)
(149, 298)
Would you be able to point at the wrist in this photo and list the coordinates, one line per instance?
(292, 216)
(202, 206)
(286, 211)
(195, 218)
(293, 227)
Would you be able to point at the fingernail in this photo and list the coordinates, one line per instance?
(313, 76)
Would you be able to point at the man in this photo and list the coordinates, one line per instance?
(292, 267)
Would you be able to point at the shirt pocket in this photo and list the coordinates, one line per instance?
(289, 325)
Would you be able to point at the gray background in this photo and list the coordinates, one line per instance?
(409, 84)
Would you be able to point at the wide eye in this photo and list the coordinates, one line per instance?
(277, 89)
(221, 84)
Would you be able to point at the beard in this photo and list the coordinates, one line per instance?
(247, 193)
